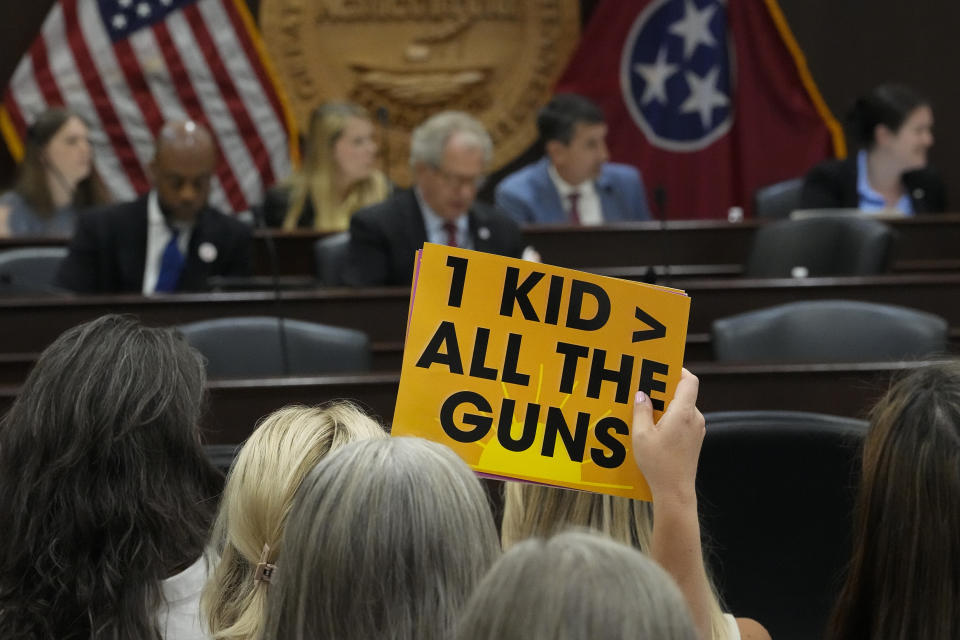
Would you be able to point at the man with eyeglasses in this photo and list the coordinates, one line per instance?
(449, 154)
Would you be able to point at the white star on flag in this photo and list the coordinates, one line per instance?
(655, 76)
(704, 96)
(118, 21)
(124, 4)
(694, 28)
(143, 10)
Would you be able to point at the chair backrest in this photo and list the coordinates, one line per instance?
(829, 331)
(778, 200)
(330, 254)
(251, 347)
(30, 268)
(823, 246)
(776, 489)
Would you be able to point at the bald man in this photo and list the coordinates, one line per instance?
(166, 241)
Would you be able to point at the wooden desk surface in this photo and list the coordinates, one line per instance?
(28, 324)
(925, 243)
(840, 389)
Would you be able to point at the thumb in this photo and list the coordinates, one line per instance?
(642, 413)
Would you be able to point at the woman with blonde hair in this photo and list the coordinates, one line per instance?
(260, 487)
(541, 511)
(338, 175)
(386, 539)
(576, 586)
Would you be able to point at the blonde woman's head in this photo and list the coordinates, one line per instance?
(576, 586)
(259, 491)
(532, 510)
(386, 539)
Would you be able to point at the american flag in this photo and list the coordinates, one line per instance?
(127, 66)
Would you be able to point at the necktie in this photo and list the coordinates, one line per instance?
(171, 264)
(574, 198)
(451, 230)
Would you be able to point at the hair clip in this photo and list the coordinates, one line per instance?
(264, 570)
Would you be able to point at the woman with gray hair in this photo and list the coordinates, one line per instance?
(385, 539)
(576, 586)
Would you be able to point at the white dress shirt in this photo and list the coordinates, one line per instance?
(588, 206)
(158, 235)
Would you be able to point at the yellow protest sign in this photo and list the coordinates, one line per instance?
(528, 371)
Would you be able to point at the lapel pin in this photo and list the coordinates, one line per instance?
(207, 252)
(483, 233)
(918, 194)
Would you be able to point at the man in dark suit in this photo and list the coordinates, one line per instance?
(168, 240)
(449, 154)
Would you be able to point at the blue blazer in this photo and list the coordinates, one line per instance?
(530, 197)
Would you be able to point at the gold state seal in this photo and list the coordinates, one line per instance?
(496, 59)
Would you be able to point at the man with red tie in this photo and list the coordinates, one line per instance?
(168, 240)
(449, 155)
(573, 183)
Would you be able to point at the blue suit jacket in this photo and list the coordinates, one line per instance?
(530, 197)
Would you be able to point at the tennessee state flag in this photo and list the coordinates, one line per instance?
(710, 99)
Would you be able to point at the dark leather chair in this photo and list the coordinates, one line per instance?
(30, 269)
(829, 331)
(822, 246)
(776, 491)
(330, 254)
(251, 347)
(222, 455)
(778, 200)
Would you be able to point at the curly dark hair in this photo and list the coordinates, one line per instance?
(104, 486)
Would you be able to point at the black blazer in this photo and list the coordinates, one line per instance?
(385, 237)
(276, 201)
(109, 247)
(833, 185)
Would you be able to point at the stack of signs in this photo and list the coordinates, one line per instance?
(529, 371)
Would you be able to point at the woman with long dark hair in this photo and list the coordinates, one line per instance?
(892, 126)
(55, 179)
(903, 581)
(106, 496)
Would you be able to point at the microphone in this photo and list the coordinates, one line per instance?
(260, 223)
(660, 213)
(383, 117)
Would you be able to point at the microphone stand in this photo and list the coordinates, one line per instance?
(261, 224)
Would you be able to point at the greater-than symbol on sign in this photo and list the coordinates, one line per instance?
(656, 330)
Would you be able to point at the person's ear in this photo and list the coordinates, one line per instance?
(882, 134)
(556, 151)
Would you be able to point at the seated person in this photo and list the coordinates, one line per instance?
(893, 127)
(573, 183)
(55, 179)
(168, 240)
(338, 175)
(532, 510)
(903, 580)
(248, 534)
(449, 154)
(386, 538)
(576, 586)
(106, 489)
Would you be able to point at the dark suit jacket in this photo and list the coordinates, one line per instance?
(276, 201)
(109, 247)
(833, 185)
(385, 237)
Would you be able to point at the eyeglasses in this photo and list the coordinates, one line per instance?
(457, 181)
